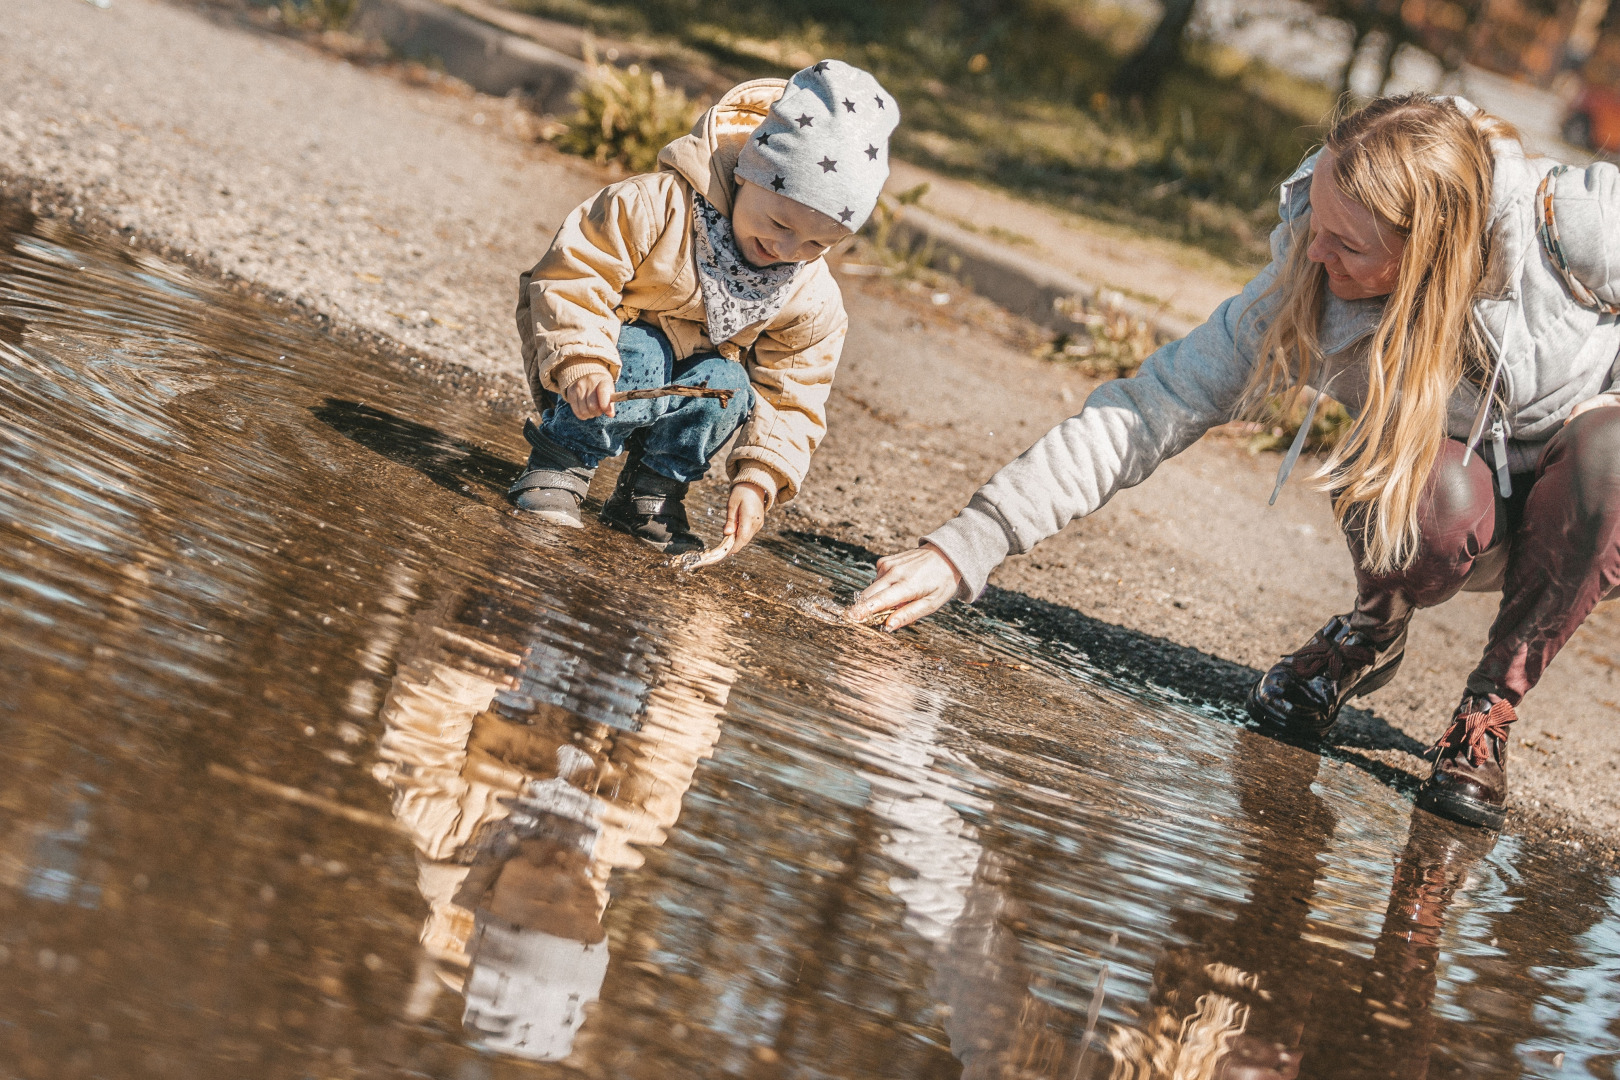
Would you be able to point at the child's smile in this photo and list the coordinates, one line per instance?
(772, 228)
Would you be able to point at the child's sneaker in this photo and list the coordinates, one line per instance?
(651, 508)
(553, 483)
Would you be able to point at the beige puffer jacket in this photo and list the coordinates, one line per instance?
(626, 254)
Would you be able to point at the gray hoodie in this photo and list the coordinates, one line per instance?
(1549, 353)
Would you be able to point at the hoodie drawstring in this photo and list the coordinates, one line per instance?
(1499, 433)
(1504, 483)
(1294, 450)
(1478, 429)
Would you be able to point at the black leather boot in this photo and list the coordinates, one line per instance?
(650, 508)
(1469, 781)
(1303, 693)
(552, 483)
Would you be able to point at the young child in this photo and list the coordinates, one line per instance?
(708, 271)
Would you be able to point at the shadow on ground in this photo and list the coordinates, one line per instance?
(449, 462)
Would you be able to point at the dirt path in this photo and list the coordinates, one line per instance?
(393, 207)
(409, 211)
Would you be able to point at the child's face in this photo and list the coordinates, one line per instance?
(772, 228)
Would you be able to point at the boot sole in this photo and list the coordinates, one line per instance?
(554, 517)
(1462, 808)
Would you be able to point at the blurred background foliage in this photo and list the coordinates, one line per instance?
(1017, 93)
(318, 15)
(626, 115)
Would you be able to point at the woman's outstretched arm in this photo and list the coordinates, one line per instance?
(1125, 430)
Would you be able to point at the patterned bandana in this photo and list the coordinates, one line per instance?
(736, 295)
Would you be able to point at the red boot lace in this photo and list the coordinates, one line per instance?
(1469, 730)
(1335, 656)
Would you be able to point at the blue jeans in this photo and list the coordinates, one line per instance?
(679, 435)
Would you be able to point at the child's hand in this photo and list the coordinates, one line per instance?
(912, 584)
(591, 395)
(745, 514)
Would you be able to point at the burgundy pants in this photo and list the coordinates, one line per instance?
(1553, 549)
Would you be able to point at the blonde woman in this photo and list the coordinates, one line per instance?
(1460, 299)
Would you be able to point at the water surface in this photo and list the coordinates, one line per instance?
(319, 763)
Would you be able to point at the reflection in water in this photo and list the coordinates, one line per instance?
(49, 864)
(657, 825)
(1265, 995)
(525, 781)
(954, 890)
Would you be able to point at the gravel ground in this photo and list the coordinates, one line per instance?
(398, 208)
(406, 212)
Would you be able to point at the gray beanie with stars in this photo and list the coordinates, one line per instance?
(825, 142)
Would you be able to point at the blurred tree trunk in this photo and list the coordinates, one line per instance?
(1389, 34)
(1387, 43)
(1356, 43)
(1142, 74)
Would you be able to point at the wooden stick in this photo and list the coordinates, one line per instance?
(1091, 1020)
(724, 396)
(697, 560)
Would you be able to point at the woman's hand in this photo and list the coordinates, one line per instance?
(913, 584)
(591, 395)
(1607, 399)
(745, 514)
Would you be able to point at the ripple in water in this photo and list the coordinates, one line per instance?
(321, 763)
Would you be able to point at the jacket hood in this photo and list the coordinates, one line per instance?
(707, 157)
(1549, 350)
(1585, 205)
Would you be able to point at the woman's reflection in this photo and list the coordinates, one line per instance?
(526, 778)
(1260, 997)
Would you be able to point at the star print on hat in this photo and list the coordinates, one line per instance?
(825, 142)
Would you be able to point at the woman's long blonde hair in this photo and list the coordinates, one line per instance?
(1424, 167)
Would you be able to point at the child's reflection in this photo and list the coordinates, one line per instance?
(525, 781)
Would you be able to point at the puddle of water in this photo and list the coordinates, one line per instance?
(320, 763)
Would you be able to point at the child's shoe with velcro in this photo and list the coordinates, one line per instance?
(651, 508)
(552, 483)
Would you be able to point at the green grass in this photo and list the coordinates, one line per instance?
(1011, 92)
(318, 15)
(626, 115)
